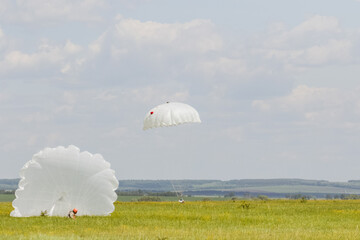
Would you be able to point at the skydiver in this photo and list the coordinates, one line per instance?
(72, 213)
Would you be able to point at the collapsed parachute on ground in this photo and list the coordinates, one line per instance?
(59, 179)
(170, 114)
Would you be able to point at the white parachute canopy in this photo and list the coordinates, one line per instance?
(170, 114)
(60, 179)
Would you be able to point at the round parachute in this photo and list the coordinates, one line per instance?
(58, 180)
(170, 114)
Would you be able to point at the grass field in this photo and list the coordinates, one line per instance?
(273, 219)
(7, 197)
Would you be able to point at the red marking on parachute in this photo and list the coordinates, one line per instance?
(151, 113)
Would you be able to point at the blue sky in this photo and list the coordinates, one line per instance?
(276, 84)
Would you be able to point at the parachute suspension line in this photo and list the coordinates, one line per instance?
(177, 193)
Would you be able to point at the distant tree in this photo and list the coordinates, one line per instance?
(299, 196)
(164, 194)
(329, 196)
(131, 193)
(230, 194)
(149, 199)
(263, 197)
(336, 196)
(7, 191)
(351, 196)
(245, 205)
(247, 195)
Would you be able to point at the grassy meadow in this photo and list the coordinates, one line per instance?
(7, 197)
(253, 219)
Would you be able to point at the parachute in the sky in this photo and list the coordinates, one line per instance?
(170, 114)
(60, 179)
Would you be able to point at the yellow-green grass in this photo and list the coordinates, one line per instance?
(273, 219)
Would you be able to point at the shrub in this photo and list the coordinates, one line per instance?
(245, 205)
(149, 199)
(263, 197)
(44, 213)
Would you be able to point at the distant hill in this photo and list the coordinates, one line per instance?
(242, 187)
(9, 184)
(246, 187)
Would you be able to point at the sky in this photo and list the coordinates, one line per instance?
(276, 84)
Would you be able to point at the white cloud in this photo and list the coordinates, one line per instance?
(97, 46)
(85, 102)
(64, 109)
(67, 102)
(318, 41)
(65, 59)
(234, 67)
(161, 52)
(155, 94)
(69, 97)
(194, 48)
(334, 51)
(72, 48)
(316, 23)
(194, 36)
(106, 96)
(261, 105)
(311, 31)
(52, 10)
(2, 40)
(302, 98)
(322, 106)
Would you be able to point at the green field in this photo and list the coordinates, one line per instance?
(7, 197)
(273, 219)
